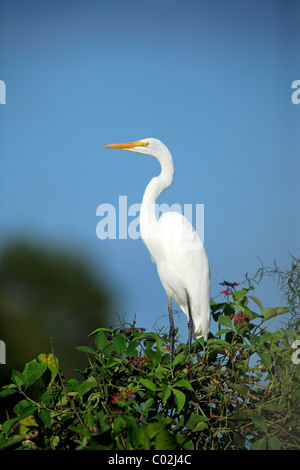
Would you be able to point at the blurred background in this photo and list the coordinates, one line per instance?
(212, 80)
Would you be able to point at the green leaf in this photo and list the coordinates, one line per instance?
(101, 341)
(80, 430)
(52, 364)
(178, 359)
(119, 424)
(265, 358)
(86, 386)
(164, 441)
(147, 406)
(132, 349)
(220, 343)
(148, 384)
(153, 429)
(260, 444)
(46, 398)
(274, 443)
(44, 415)
(133, 433)
(275, 406)
(12, 441)
(194, 420)
(229, 309)
(241, 389)
(157, 357)
(200, 341)
(260, 423)
(8, 391)
(239, 441)
(225, 321)
(265, 338)
(32, 372)
(89, 419)
(86, 350)
(200, 426)
(113, 361)
(119, 343)
(28, 411)
(109, 330)
(239, 294)
(165, 394)
(179, 399)
(6, 426)
(257, 301)
(184, 383)
(217, 307)
(149, 353)
(149, 336)
(17, 378)
(21, 405)
(223, 331)
(270, 312)
(161, 369)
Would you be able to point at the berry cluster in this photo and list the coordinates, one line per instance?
(240, 317)
(139, 361)
(226, 292)
(121, 396)
(134, 329)
(229, 284)
(232, 285)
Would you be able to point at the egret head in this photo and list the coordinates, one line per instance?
(148, 146)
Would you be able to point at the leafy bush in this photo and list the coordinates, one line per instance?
(240, 389)
(288, 282)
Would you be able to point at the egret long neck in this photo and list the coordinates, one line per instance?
(148, 222)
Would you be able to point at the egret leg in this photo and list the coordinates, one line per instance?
(172, 329)
(190, 321)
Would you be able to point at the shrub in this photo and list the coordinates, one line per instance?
(240, 389)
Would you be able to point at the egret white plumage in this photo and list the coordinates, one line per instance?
(175, 246)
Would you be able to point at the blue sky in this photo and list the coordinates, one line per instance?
(212, 80)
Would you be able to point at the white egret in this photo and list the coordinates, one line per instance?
(175, 247)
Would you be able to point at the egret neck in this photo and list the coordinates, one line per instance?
(149, 225)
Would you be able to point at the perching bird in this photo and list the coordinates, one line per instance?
(175, 246)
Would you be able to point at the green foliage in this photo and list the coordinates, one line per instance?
(288, 282)
(240, 389)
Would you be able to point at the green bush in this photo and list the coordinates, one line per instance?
(240, 389)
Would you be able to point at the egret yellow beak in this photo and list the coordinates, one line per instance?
(126, 145)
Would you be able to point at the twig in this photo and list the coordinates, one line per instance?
(64, 388)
